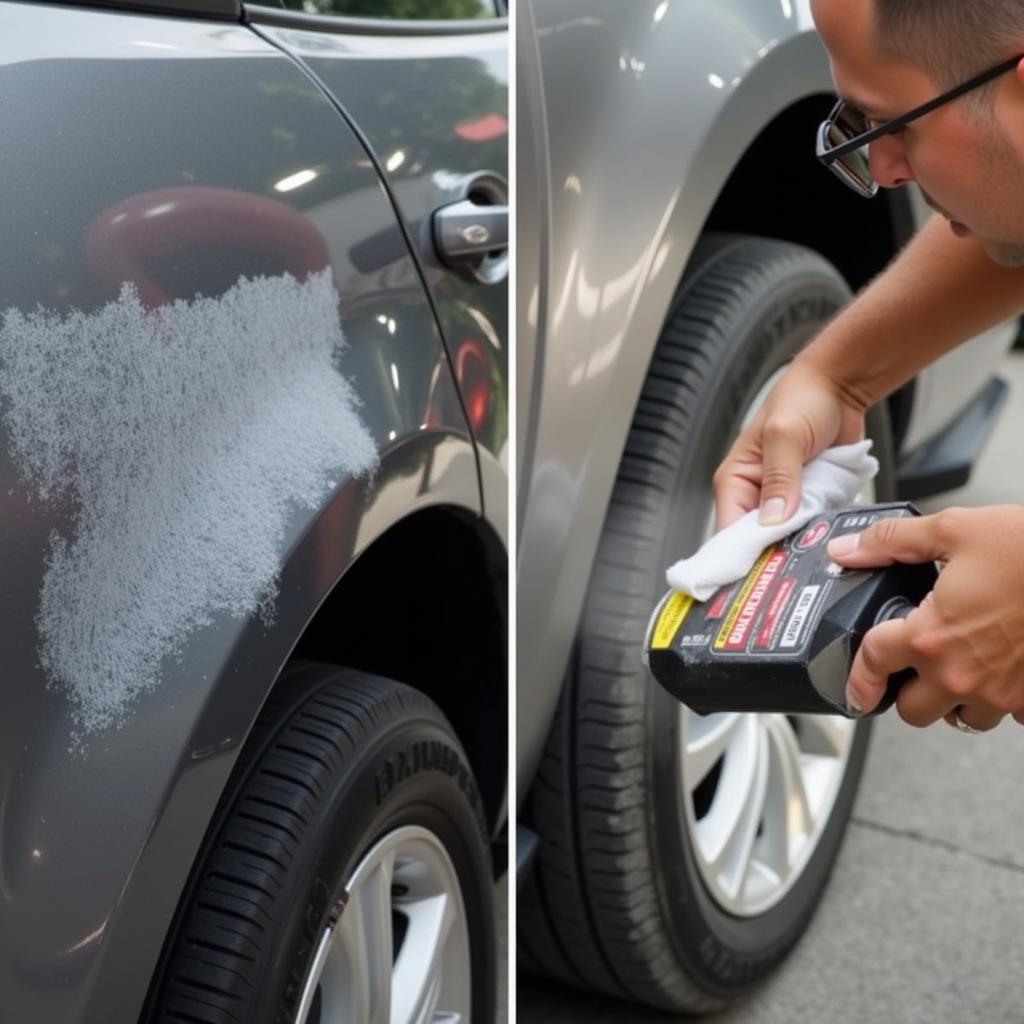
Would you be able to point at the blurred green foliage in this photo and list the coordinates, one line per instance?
(408, 9)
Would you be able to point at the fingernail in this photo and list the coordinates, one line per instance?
(853, 703)
(845, 545)
(773, 511)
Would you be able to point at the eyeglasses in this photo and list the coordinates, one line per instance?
(844, 138)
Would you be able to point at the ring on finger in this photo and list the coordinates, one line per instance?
(961, 724)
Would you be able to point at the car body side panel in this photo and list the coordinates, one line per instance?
(186, 219)
(533, 219)
(434, 111)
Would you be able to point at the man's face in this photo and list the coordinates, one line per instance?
(970, 166)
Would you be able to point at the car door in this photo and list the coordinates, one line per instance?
(425, 85)
(220, 370)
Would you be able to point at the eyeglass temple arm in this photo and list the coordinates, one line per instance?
(926, 108)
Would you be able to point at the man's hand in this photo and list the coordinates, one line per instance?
(804, 414)
(966, 640)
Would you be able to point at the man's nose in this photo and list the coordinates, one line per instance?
(888, 163)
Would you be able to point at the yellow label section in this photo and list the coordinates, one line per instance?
(741, 598)
(670, 619)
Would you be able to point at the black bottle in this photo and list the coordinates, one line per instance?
(783, 638)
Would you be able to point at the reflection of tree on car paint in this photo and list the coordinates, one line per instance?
(409, 9)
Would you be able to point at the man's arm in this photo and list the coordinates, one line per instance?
(939, 292)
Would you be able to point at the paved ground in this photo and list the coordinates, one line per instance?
(924, 918)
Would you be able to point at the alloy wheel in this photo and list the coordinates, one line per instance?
(396, 949)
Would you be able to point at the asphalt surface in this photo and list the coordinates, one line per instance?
(923, 920)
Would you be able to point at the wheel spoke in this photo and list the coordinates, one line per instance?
(789, 799)
(828, 735)
(761, 876)
(418, 970)
(728, 831)
(365, 937)
(316, 971)
(706, 741)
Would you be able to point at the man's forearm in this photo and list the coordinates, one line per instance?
(939, 292)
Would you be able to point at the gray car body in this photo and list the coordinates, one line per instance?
(114, 120)
(633, 121)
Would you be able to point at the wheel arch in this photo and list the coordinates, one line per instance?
(809, 208)
(444, 645)
(317, 784)
(426, 604)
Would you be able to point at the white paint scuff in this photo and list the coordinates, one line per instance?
(184, 438)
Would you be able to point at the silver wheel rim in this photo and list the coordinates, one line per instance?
(759, 789)
(396, 948)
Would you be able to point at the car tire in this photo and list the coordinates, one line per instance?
(616, 900)
(351, 827)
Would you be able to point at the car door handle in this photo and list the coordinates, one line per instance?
(467, 232)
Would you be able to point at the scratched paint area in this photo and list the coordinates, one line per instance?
(183, 438)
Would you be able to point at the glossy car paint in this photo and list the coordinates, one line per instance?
(630, 119)
(108, 114)
(434, 111)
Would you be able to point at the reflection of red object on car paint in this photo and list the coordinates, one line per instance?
(491, 126)
(341, 521)
(812, 535)
(144, 228)
(473, 375)
(473, 378)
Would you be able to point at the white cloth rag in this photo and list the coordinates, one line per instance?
(831, 480)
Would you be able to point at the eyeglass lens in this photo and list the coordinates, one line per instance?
(848, 125)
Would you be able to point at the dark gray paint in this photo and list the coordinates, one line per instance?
(434, 111)
(95, 846)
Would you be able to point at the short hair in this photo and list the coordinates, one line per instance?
(952, 40)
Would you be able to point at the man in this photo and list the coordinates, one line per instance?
(960, 275)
